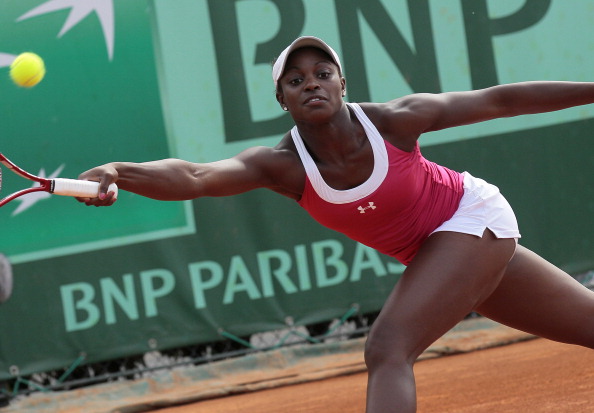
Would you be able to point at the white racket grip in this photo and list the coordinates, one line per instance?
(79, 188)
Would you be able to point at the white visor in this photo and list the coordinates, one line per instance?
(304, 41)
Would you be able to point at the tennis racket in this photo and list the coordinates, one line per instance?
(58, 186)
(5, 279)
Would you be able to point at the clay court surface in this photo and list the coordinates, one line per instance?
(532, 376)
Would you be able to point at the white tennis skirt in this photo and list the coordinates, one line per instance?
(482, 206)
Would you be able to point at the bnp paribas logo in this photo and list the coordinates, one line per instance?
(79, 10)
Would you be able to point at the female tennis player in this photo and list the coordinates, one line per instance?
(357, 168)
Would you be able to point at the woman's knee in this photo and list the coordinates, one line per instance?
(387, 347)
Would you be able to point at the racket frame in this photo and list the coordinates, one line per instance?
(59, 186)
(45, 185)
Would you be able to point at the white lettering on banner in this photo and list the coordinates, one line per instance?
(277, 271)
(82, 312)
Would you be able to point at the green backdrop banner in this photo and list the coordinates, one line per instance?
(191, 79)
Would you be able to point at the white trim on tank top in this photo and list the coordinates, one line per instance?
(380, 165)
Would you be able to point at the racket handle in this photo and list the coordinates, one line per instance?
(79, 188)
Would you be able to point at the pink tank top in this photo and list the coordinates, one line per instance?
(394, 211)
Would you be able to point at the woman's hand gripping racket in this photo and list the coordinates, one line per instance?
(59, 186)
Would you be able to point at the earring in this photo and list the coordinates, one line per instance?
(285, 108)
(343, 92)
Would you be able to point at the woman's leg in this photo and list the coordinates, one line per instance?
(539, 298)
(451, 274)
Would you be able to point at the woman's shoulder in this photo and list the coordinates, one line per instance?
(396, 107)
(394, 120)
(286, 144)
(282, 152)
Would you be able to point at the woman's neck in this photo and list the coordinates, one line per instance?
(335, 139)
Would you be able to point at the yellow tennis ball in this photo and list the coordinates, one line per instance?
(27, 69)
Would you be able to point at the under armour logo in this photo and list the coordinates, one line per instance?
(369, 206)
